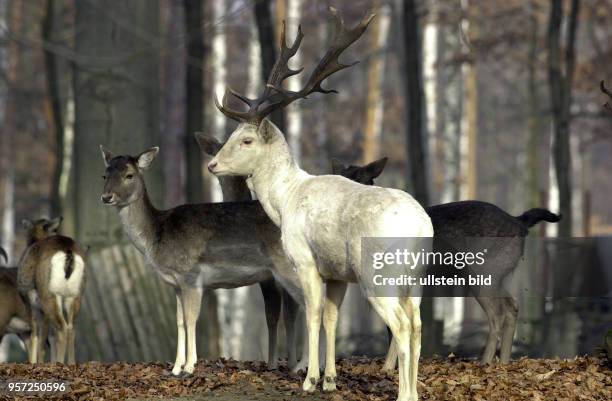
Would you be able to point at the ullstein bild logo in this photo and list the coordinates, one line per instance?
(487, 266)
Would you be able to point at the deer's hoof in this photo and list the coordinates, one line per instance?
(177, 370)
(329, 384)
(300, 366)
(310, 384)
(188, 369)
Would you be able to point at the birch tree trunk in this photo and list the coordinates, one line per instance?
(561, 97)
(219, 58)
(294, 114)
(14, 16)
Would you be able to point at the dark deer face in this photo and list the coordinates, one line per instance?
(363, 175)
(123, 181)
(40, 229)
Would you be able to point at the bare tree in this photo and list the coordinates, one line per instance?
(560, 76)
(14, 17)
(415, 126)
(54, 97)
(267, 42)
(195, 98)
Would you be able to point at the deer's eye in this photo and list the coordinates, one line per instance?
(247, 141)
(129, 176)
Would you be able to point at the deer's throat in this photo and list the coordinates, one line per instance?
(139, 221)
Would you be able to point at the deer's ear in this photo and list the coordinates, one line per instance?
(208, 144)
(54, 224)
(107, 156)
(375, 168)
(266, 130)
(26, 224)
(146, 158)
(337, 167)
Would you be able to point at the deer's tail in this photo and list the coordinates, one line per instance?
(69, 267)
(533, 216)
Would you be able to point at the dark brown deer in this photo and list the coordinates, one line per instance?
(51, 275)
(469, 219)
(236, 189)
(214, 245)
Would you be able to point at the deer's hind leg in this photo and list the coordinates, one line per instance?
(272, 303)
(493, 310)
(510, 316)
(72, 306)
(290, 313)
(397, 318)
(53, 312)
(335, 292)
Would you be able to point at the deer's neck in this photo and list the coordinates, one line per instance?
(276, 180)
(139, 221)
(234, 189)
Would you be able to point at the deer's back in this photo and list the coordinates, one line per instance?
(332, 214)
(474, 219)
(229, 242)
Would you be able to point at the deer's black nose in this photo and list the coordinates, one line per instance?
(107, 198)
(211, 166)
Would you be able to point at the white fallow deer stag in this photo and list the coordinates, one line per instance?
(323, 218)
(197, 246)
(51, 275)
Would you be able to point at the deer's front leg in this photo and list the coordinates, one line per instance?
(311, 282)
(334, 296)
(180, 338)
(192, 301)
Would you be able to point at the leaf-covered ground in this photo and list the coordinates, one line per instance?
(359, 379)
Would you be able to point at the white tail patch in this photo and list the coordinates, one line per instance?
(58, 284)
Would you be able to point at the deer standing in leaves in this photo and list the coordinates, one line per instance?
(51, 275)
(323, 218)
(197, 246)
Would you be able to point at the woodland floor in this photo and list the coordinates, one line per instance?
(359, 379)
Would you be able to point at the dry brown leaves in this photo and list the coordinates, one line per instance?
(359, 379)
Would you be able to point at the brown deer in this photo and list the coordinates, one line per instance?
(51, 275)
(192, 247)
(15, 312)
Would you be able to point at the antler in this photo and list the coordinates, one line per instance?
(605, 90)
(274, 95)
